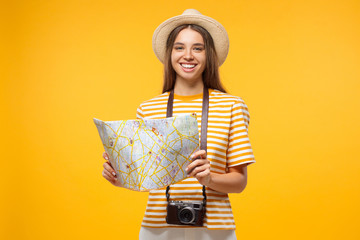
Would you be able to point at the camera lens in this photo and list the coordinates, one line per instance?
(186, 215)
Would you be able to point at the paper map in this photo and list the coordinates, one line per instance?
(150, 153)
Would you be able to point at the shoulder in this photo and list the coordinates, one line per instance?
(152, 106)
(235, 104)
(155, 100)
(221, 97)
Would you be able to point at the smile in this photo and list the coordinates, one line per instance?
(187, 66)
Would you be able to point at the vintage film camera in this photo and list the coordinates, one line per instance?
(185, 213)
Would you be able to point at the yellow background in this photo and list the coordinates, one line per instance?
(295, 63)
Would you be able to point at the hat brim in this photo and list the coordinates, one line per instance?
(216, 30)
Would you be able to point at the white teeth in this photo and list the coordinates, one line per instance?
(188, 65)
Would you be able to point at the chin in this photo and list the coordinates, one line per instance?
(191, 79)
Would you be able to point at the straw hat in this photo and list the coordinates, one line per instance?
(191, 16)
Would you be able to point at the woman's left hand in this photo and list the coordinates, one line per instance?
(200, 168)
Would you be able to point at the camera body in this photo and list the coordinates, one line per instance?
(185, 213)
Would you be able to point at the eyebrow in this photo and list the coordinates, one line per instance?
(196, 44)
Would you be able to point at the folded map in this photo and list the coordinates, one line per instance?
(150, 153)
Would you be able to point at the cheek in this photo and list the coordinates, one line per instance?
(202, 58)
(203, 61)
(174, 58)
(173, 63)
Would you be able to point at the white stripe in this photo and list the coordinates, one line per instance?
(222, 165)
(217, 130)
(246, 162)
(200, 197)
(216, 135)
(217, 140)
(237, 146)
(220, 220)
(215, 151)
(156, 213)
(216, 146)
(224, 227)
(244, 135)
(154, 225)
(249, 151)
(154, 219)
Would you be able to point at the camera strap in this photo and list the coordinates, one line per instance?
(204, 123)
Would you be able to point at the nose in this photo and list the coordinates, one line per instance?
(188, 55)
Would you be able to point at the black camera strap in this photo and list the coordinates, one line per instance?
(204, 123)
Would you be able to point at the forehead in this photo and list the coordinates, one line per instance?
(188, 35)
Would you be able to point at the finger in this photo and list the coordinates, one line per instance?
(109, 178)
(105, 155)
(202, 174)
(199, 154)
(199, 169)
(108, 167)
(109, 173)
(196, 163)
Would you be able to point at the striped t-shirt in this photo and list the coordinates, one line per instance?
(228, 145)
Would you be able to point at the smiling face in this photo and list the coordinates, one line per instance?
(188, 57)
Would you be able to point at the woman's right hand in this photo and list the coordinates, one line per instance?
(109, 172)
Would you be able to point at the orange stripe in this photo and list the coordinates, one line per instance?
(174, 226)
(217, 132)
(238, 125)
(190, 193)
(239, 149)
(232, 228)
(238, 138)
(216, 137)
(238, 131)
(183, 199)
(217, 155)
(157, 205)
(240, 161)
(218, 143)
(220, 212)
(208, 205)
(155, 216)
(155, 210)
(218, 161)
(159, 222)
(217, 167)
(185, 188)
(221, 218)
(221, 127)
(240, 155)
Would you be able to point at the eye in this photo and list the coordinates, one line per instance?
(178, 48)
(198, 49)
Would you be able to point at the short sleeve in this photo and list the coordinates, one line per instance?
(239, 148)
(139, 113)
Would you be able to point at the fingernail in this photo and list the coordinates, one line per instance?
(114, 173)
(192, 156)
(106, 158)
(186, 169)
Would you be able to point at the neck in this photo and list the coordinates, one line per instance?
(185, 88)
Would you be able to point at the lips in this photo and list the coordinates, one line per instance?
(188, 67)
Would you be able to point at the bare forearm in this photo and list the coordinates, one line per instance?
(232, 182)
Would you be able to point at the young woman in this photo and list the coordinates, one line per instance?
(192, 47)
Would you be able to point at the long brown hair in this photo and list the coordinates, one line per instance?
(210, 75)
